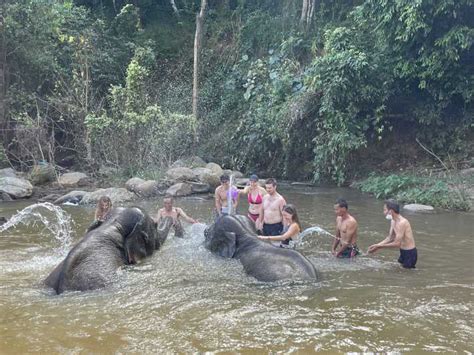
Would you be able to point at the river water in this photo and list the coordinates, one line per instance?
(184, 299)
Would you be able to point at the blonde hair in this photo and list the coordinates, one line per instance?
(101, 210)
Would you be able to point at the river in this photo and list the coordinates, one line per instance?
(184, 299)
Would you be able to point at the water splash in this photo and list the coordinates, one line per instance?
(57, 223)
(231, 195)
(316, 229)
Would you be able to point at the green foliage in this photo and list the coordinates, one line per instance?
(416, 189)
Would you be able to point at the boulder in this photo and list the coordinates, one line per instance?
(237, 174)
(74, 197)
(227, 172)
(3, 220)
(179, 189)
(208, 177)
(7, 172)
(415, 207)
(149, 188)
(216, 169)
(241, 182)
(42, 174)
(180, 174)
(133, 183)
(464, 172)
(49, 198)
(195, 162)
(74, 179)
(16, 187)
(116, 194)
(199, 187)
(5, 197)
(178, 164)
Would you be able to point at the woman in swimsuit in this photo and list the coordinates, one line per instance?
(291, 228)
(104, 205)
(254, 197)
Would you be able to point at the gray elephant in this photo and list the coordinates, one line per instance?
(128, 235)
(235, 236)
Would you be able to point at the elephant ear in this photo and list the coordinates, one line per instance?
(223, 244)
(137, 244)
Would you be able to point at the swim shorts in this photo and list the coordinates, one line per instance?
(272, 229)
(350, 252)
(408, 258)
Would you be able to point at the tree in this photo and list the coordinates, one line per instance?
(197, 48)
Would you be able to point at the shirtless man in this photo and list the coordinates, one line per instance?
(346, 232)
(221, 194)
(271, 218)
(175, 213)
(400, 236)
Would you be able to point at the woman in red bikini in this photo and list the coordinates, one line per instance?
(255, 195)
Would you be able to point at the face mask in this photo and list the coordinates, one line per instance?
(388, 216)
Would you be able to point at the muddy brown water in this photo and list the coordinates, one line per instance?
(184, 299)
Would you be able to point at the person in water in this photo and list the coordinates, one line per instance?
(400, 236)
(102, 212)
(291, 228)
(271, 217)
(221, 196)
(346, 232)
(104, 206)
(255, 195)
(175, 213)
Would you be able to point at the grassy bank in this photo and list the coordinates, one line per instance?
(448, 191)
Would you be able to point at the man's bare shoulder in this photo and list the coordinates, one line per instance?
(352, 221)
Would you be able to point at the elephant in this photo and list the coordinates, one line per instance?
(127, 236)
(235, 236)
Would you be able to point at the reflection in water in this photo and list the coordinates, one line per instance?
(185, 299)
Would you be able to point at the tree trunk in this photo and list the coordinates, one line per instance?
(197, 48)
(4, 126)
(307, 11)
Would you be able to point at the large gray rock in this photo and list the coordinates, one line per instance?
(149, 188)
(199, 187)
(207, 176)
(216, 169)
(195, 162)
(42, 174)
(178, 164)
(179, 189)
(74, 179)
(133, 183)
(74, 197)
(5, 197)
(16, 187)
(467, 172)
(116, 194)
(7, 172)
(415, 207)
(237, 174)
(180, 174)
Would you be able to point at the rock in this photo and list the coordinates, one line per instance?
(149, 188)
(415, 207)
(49, 198)
(133, 183)
(179, 189)
(5, 197)
(299, 183)
(465, 172)
(199, 187)
(7, 172)
(180, 174)
(42, 174)
(237, 174)
(16, 187)
(3, 220)
(208, 177)
(74, 179)
(227, 172)
(216, 169)
(74, 197)
(178, 164)
(195, 162)
(116, 194)
(242, 182)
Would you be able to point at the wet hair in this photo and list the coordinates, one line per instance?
(291, 209)
(271, 181)
(392, 205)
(253, 177)
(101, 212)
(168, 197)
(224, 178)
(342, 203)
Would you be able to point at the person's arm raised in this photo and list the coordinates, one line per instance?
(185, 216)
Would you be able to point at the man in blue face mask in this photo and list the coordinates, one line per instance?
(400, 236)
